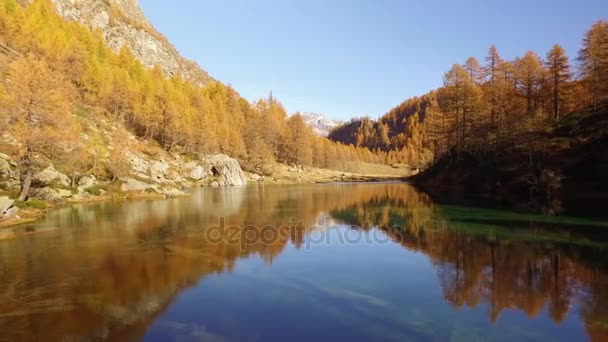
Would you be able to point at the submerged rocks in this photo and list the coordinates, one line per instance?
(227, 170)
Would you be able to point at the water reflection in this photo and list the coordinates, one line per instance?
(108, 270)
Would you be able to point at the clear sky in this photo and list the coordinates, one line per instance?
(348, 58)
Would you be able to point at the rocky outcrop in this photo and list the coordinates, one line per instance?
(50, 177)
(49, 194)
(8, 168)
(227, 170)
(9, 173)
(197, 171)
(86, 182)
(134, 185)
(123, 24)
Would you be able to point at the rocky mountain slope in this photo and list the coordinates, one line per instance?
(123, 23)
(320, 124)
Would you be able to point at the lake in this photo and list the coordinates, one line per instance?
(358, 262)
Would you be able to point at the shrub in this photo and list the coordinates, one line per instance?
(32, 204)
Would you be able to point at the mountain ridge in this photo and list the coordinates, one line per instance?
(123, 23)
(320, 123)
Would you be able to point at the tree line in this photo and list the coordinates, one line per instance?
(58, 72)
(487, 105)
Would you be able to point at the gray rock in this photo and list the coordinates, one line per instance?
(86, 182)
(10, 213)
(227, 170)
(138, 163)
(46, 194)
(199, 172)
(172, 177)
(8, 168)
(5, 204)
(158, 170)
(133, 185)
(11, 184)
(64, 193)
(50, 176)
(256, 178)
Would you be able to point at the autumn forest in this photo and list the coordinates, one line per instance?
(64, 72)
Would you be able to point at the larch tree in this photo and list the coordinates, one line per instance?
(492, 68)
(559, 73)
(460, 98)
(530, 76)
(38, 104)
(301, 139)
(475, 70)
(593, 58)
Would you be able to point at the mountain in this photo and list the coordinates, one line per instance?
(320, 124)
(123, 24)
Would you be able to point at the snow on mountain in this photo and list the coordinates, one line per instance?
(320, 124)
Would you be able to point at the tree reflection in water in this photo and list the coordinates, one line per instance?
(112, 268)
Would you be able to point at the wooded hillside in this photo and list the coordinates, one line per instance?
(487, 104)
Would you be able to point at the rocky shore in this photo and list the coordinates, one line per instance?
(147, 177)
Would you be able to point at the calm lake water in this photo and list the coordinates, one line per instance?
(354, 262)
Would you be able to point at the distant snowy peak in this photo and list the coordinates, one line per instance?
(320, 124)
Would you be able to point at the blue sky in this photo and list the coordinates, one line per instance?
(348, 58)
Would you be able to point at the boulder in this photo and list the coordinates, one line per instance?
(86, 182)
(133, 185)
(64, 193)
(10, 213)
(46, 194)
(8, 168)
(11, 184)
(49, 177)
(199, 172)
(5, 206)
(227, 170)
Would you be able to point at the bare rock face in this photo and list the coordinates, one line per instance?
(123, 23)
(227, 170)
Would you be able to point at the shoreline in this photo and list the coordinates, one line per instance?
(30, 215)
